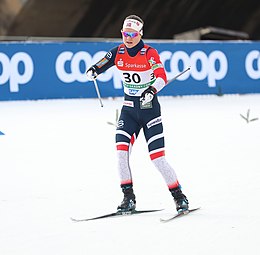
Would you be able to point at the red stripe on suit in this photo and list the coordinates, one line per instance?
(157, 155)
(122, 147)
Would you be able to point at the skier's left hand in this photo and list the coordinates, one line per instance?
(147, 95)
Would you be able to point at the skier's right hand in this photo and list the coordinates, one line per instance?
(91, 73)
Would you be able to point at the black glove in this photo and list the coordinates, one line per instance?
(91, 73)
(147, 95)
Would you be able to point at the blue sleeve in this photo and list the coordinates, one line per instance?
(106, 62)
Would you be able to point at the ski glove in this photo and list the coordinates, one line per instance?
(91, 73)
(147, 95)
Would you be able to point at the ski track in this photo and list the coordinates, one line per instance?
(58, 161)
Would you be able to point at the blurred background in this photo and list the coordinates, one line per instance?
(179, 19)
(39, 33)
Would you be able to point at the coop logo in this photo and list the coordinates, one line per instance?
(17, 70)
(71, 67)
(73, 72)
(212, 67)
(252, 64)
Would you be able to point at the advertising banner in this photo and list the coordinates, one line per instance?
(46, 70)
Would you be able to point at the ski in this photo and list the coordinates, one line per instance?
(180, 215)
(118, 213)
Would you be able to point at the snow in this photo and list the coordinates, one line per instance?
(58, 161)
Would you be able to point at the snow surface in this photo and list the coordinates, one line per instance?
(58, 161)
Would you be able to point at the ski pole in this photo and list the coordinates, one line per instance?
(178, 75)
(98, 94)
(174, 78)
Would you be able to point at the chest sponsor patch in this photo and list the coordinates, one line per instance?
(133, 91)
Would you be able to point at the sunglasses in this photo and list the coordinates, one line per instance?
(131, 34)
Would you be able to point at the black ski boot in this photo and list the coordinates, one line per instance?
(128, 203)
(182, 203)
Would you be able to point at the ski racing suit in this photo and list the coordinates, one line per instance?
(139, 67)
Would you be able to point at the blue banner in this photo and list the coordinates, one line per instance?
(45, 70)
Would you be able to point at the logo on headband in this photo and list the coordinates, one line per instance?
(134, 24)
(130, 23)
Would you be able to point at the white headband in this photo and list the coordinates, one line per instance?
(134, 24)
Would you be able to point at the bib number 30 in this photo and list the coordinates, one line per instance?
(134, 77)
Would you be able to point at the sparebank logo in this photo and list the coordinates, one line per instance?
(17, 70)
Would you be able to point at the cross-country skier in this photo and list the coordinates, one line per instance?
(143, 76)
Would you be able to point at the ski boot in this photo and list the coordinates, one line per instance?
(181, 202)
(128, 203)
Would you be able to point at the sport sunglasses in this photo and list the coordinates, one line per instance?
(131, 34)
